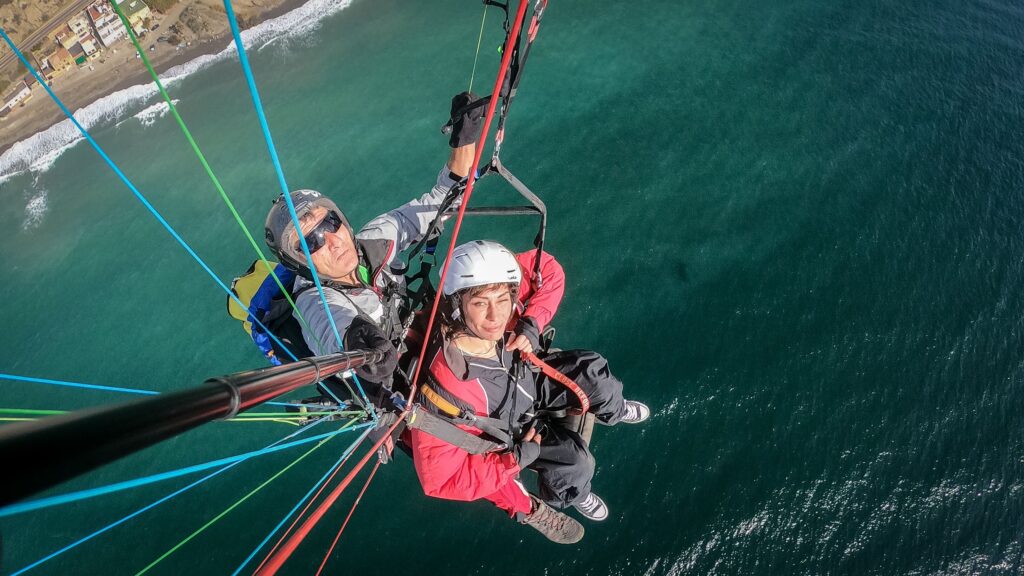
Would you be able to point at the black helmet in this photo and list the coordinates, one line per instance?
(280, 229)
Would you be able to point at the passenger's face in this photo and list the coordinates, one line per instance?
(337, 258)
(487, 313)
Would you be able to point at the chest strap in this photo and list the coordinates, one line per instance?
(443, 429)
(454, 416)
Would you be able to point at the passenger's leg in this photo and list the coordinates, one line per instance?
(590, 371)
(565, 467)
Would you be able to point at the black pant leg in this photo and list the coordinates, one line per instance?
(590, 371)
(564, 468)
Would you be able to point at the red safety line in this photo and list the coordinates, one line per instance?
(275, 562)
(278, 559)
(491, 106)
(565, 380)
(347, 518)
(310, 503)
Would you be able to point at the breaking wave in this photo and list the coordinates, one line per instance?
(39, 152)
(35, 210)
(150, 115)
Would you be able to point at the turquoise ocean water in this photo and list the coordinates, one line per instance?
(793, 227)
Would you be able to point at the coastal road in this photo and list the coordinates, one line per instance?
(58, 20)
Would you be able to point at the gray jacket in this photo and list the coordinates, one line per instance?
(389, 234)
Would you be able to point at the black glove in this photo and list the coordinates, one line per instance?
(466, 119)
(365, 335)
(525, 453)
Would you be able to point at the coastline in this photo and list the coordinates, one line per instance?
(81, 94)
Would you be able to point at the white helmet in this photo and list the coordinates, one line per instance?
(479, 263)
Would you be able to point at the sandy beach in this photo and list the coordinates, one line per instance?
(119, 67)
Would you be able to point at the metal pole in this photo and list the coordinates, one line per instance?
(45, 452)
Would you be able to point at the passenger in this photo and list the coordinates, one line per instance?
(490, 313)
(363, 292)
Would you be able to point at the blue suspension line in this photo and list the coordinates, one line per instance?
(112, 388)
(135, 190)
(144, 509)
(285, 192)
(322, 479)
(51, 501)
(227, 462)
(77, 385)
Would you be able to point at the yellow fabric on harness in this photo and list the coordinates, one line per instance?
(435, 399)
(244, 287)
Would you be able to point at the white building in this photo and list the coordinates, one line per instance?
(108, 26)
(136, 11)
(90, 47)
(17, 95)
(79, 26)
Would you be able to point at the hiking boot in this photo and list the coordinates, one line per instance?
(636, 412)
(592, 508)
(553, 524)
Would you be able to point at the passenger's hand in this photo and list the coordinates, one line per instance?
(532, 436)
(528, 449)
(521, 343)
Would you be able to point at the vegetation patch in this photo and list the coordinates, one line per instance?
(158, 5)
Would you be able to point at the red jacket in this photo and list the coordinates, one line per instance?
(542, 304)
(446, 471)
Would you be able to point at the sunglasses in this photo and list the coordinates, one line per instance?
(315, 238)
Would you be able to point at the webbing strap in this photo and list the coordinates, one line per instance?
(562, 379)
(455, 416)
(442, 429)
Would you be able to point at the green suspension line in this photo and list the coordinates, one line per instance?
(209, 170)
(239, 502)
(28, 412)
(477, 55)
(24, 414)
(291, 418)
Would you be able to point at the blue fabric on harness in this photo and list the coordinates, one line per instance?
(260, 306)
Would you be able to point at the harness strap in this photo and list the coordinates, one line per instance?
(456, 416)
(562, 379)
(425, 292)
(438, 427)
(551, 414)
(491, 426)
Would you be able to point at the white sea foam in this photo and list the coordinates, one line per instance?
(35, 210)
(153, 113)
(39, 152)
(43, 163)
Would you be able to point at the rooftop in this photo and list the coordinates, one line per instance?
(14, 91)
(132, 7)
